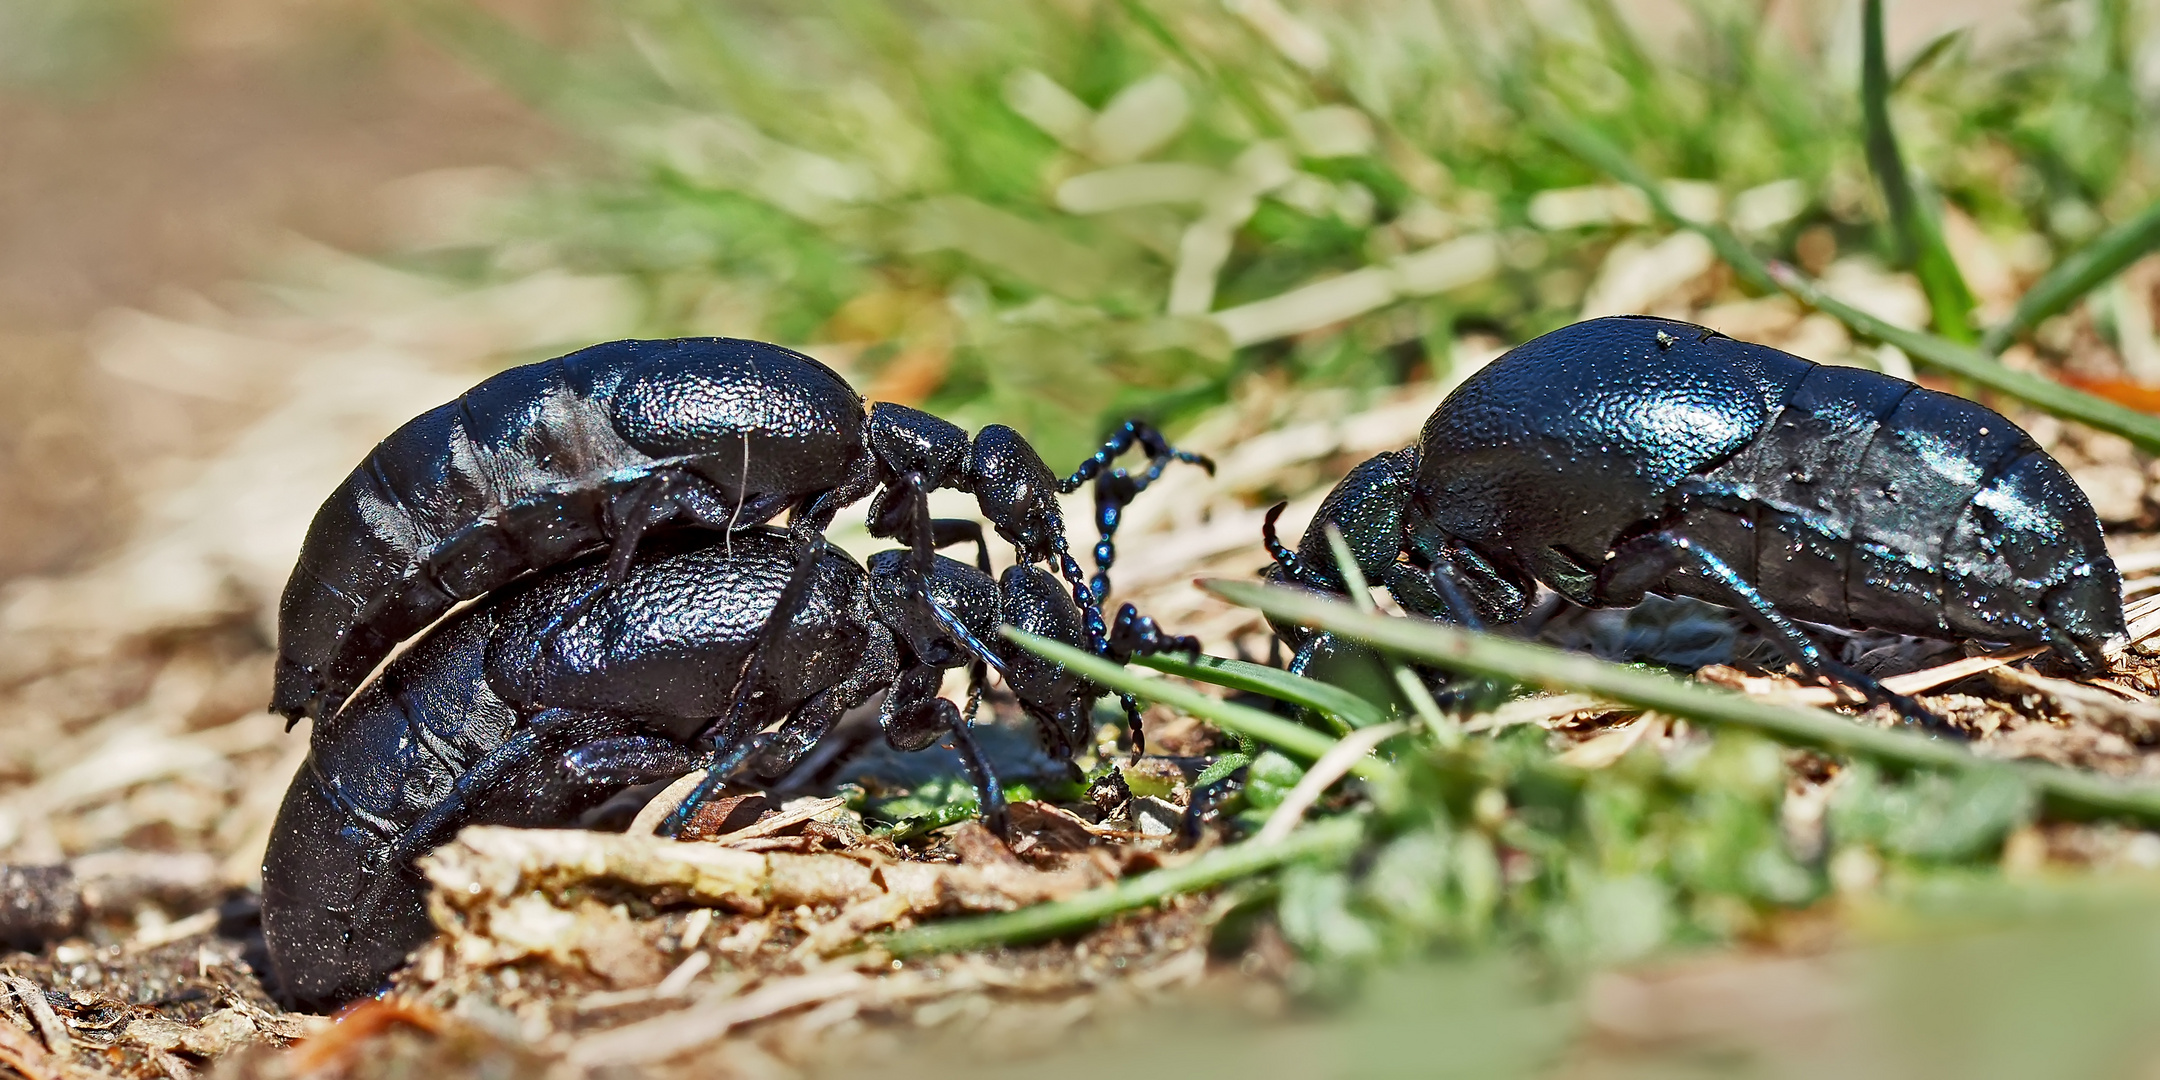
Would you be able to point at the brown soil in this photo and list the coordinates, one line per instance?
(243, 120)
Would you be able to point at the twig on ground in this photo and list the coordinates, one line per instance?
(1913, 682)
(20, 1052)
(50, 1027)
(671, 1034)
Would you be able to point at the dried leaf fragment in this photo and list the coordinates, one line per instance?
(486, 862)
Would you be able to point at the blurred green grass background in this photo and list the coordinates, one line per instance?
(1056, 214)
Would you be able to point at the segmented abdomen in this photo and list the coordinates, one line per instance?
(1870, 501)
(384, 762)
(460, 501)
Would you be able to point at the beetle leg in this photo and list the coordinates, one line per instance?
(909, 518)
(531, 740)
(915, 716)
(989, 793)
(905, 718)
(1640, 563)
(1283, 556)
(947, 532)
(816, 717)
(726, 759)
(1115, 489)
(1134, 634)
(1159, 451)
(584, 776)
(1205, 799)
(735, 729)
(658, 499)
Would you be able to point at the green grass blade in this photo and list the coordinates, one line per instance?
(1346, 709)
(1538, 665)
(1928, 55)
(1239, 719)
(1912, 217)
(1924, 348)
(1330, 839)
(2069, 280)
(1412, 688)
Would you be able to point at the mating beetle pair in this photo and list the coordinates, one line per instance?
(499, 717)
(568, 682)
(546, 462)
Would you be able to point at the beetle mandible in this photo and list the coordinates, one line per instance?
(1632, 454)
(499, 717)
(545, 462)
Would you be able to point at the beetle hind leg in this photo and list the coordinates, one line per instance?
(1640, 563)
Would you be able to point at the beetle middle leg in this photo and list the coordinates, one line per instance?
(1639, 563)
(915, 716)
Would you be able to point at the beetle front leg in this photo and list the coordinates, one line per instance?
(1115, 489)
(725, 759)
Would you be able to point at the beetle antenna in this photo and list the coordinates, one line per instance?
(1283, 556)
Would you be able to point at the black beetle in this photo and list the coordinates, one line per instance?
(1633, 454)
(499, 716)
(546, 462)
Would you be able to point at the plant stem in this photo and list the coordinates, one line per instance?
(1240, 719)
(1912, 218)
(1345, 710)
(2069, 280)
(1323, 839)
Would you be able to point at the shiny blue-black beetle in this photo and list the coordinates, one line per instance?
(1628, 455)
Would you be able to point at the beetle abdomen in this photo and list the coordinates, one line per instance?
(670, 642)
(520, 474)
(459, 501)
(371, 773)
(1870, 501)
